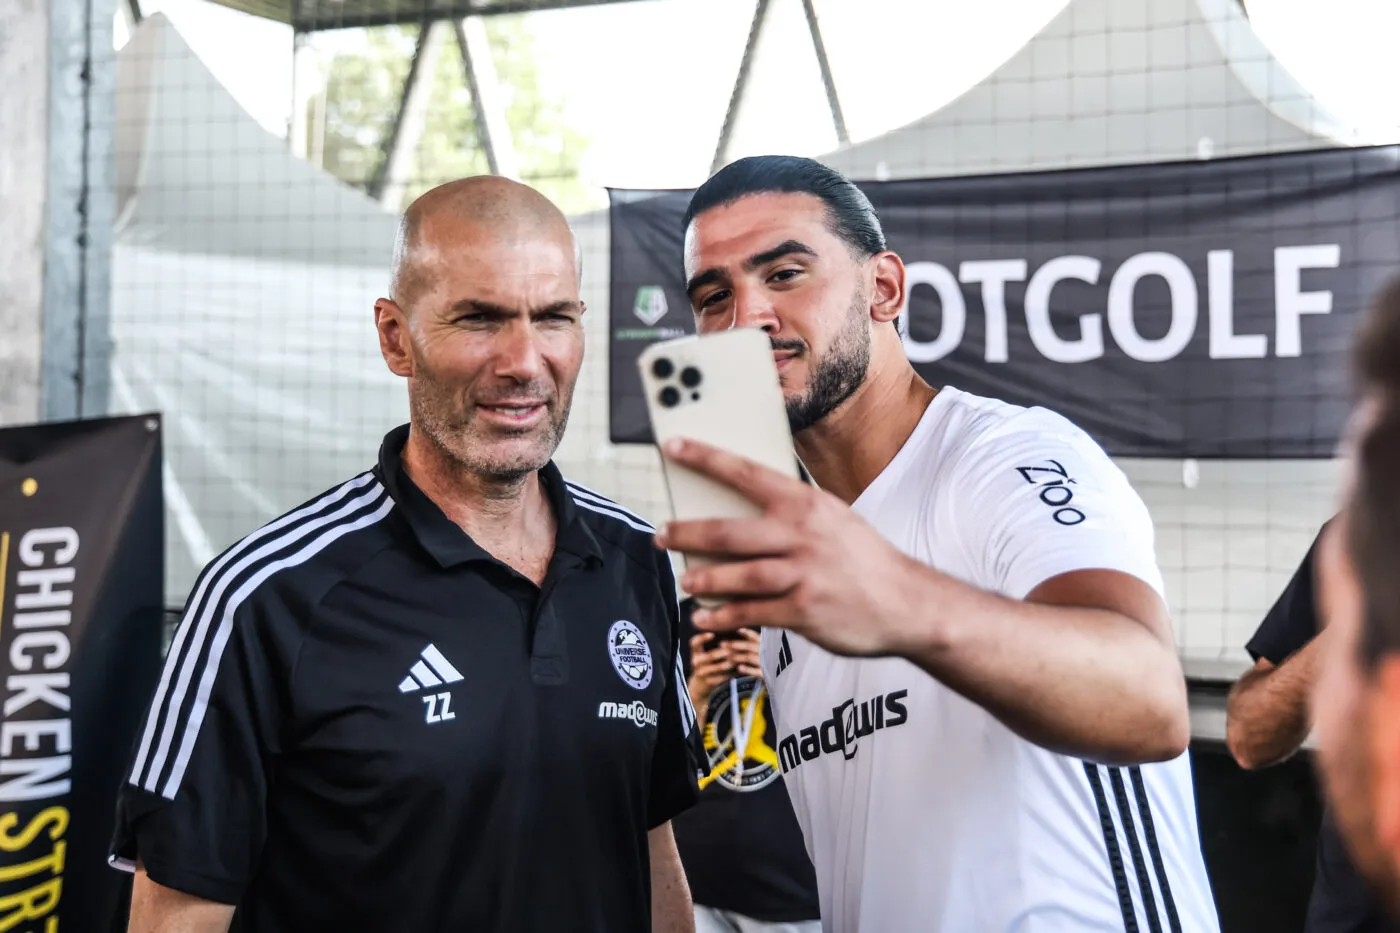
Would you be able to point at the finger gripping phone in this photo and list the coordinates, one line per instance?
(723, 390)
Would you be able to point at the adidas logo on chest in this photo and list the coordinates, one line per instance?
(430, 671)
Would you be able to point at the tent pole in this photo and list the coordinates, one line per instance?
(388, 184)
(297, 126)
(492, 128)
(828, 82)
(740, 84)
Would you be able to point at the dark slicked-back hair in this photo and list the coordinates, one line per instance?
(851, 215)
(1374, 520)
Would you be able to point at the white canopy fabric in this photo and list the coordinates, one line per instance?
(1111, 82)
(197, 174)
(243, 288)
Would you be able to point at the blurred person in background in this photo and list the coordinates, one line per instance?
(983, 721)
(1357, 694)
(740, 844)
(446, 695)
(1269, 717)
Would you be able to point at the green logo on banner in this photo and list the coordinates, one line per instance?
(650, 304)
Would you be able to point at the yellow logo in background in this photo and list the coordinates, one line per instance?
(756, 763)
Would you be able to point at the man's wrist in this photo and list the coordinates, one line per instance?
(917, 614)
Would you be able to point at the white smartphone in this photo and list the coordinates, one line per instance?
(722, 390)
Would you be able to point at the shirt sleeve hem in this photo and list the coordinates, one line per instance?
(661, 814)
(1023, 583)
(1274, 650)
(1260, 649)
(196, 884)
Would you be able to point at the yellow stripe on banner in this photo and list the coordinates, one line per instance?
(4, 567)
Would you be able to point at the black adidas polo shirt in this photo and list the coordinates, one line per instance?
(365, 722)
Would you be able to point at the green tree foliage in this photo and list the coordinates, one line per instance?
(363, 89)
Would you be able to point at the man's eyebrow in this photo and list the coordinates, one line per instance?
(710, 276)
(785, 248)
(715, 274)
(477, 306)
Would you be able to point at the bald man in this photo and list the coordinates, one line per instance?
(445, 695)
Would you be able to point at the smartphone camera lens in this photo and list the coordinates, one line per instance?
(670, 397)
(690, 377)
(663, 368)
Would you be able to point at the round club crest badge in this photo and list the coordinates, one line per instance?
(740, 742)
(630, 653)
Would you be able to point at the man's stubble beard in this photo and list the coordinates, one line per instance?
(436, 410)
(838, 374)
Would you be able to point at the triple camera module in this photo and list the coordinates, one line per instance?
(670, 396)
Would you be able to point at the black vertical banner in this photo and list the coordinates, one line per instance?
(81, 587)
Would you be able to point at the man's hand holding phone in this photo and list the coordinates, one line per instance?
(807, 563)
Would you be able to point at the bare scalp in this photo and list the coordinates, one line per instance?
(469, 216)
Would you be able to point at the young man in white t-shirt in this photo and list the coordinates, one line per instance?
(982, 719)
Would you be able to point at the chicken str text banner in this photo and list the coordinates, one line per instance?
(81, 584)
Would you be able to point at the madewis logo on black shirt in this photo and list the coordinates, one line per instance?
(849, 722)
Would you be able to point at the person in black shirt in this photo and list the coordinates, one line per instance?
(742, 847)
(1269, 719)
(447, 694)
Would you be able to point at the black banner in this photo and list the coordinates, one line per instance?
(81, 587)
(1198, 309)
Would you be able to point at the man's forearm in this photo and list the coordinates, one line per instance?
(671, 909)
(1267, 715)
(1093, 683)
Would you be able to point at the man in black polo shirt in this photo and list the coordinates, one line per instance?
(446, 694)
(1268, 720)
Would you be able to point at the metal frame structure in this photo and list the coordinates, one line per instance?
(838, 119)
(741, 81)
(322, 15)
(387, 185)
(479, 68)
(467, 18)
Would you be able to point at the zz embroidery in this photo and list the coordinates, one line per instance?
(434, 712)
(1055, 490)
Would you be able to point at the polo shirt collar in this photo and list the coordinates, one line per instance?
(447, 543)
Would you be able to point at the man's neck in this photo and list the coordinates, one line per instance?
(850, 447)
(502, 516)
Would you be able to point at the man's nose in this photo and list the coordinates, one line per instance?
(754, 308)
(518, 354)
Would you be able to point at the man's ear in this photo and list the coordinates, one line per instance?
(887, 294)
(394, 338)
(1384, 746)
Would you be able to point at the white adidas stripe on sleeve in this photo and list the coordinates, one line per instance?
(211, 669)
(619, 515)
(581, 491)
(215, 576)
(688, 717)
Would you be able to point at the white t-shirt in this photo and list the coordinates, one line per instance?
(921, 811)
